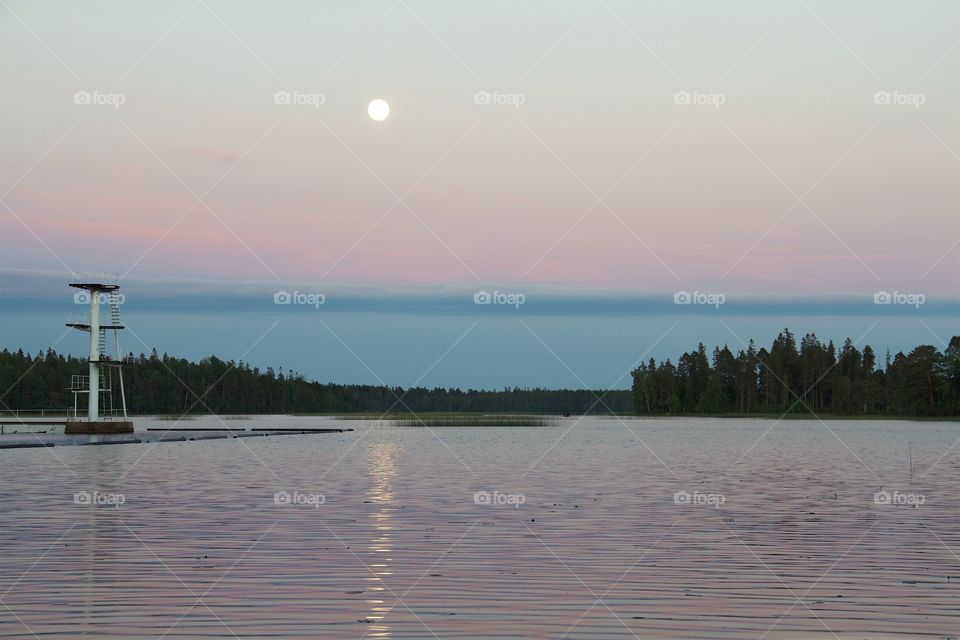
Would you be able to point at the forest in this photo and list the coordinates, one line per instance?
(810, 378)
(162, 384)
(787, 378)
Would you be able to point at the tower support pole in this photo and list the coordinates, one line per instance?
(93, 398)
(123, 397)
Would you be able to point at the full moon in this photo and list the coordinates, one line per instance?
(378, 110)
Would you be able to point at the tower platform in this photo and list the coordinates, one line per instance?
(85, 427)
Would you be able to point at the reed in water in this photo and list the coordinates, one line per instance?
(476, 421)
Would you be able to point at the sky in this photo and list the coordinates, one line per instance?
(594, 159)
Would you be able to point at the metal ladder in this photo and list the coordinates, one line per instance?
(114, 308)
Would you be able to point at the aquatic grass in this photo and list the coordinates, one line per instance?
(476, 421)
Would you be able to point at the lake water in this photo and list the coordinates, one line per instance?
(597, 528)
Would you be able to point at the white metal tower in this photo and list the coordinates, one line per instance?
(98, 385)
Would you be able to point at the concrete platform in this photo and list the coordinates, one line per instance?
(78, 428)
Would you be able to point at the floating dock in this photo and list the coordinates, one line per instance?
(36, 440)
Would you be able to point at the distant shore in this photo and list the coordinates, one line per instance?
(466, 414)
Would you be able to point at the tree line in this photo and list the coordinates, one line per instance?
(812, 377)
(787, 377)
(163, 384)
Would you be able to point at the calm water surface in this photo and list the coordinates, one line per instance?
(592, 529)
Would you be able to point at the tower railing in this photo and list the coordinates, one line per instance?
(110, 278)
